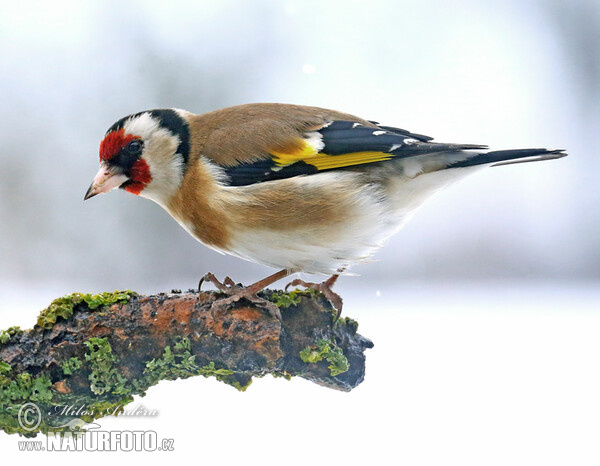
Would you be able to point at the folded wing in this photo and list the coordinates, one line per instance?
(336, 145)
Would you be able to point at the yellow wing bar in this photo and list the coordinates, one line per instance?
(309, 155)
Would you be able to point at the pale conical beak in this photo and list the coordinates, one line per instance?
(105, 180)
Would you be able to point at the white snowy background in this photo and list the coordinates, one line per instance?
(485, 310)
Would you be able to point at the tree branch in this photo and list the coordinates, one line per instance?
(97, 351)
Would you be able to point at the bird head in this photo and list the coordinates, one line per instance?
(145, 154)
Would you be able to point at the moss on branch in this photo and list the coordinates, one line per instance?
(98, 351)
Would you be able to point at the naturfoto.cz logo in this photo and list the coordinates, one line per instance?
(79, 435)
(99, 440)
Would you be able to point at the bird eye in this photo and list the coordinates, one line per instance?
(135, 147)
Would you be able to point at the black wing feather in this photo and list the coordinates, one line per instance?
(345, 137)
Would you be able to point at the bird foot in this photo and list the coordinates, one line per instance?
(235, 292)
(325, 288)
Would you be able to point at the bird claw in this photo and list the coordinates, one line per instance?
(225, 287)
(242, 293)
(234, 293)
(229, 282)
(325, 288)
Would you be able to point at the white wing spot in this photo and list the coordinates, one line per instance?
(394, 147)
(355, 125)
(378, 133)
(409, 141)
(315, 140)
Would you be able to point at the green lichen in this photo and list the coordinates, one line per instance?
(285, 299)
(6, 335)
(210, 370)
(17, 390)
(179, 362)
(283, 375)
(24, 387)
(104, 377)
(348, 321)
(63, 307)
(112, 390)
(240, 386)
(328, 350)
(175, 362)
(71, 365)
(5, 367)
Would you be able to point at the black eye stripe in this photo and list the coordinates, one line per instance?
(127, 156)
(135, 147)
(168, 119)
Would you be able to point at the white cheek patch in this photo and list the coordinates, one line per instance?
(165, 168)
(160, 147)
(143, 125)
(156, 139)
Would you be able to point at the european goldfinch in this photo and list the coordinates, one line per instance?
(302, 189)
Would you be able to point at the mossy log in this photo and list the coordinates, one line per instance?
(97, 351)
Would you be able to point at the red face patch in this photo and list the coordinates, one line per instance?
(140, 177)
(113, 143)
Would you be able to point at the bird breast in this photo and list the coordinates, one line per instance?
(321, 223)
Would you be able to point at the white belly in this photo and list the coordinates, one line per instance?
(378, 214)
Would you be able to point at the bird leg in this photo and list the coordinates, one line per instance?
(235, 292)
(325, 288)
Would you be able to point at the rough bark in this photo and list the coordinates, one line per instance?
(98, 351)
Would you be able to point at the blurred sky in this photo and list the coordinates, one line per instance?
(511, 74)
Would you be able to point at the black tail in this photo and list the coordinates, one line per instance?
(508, 157)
